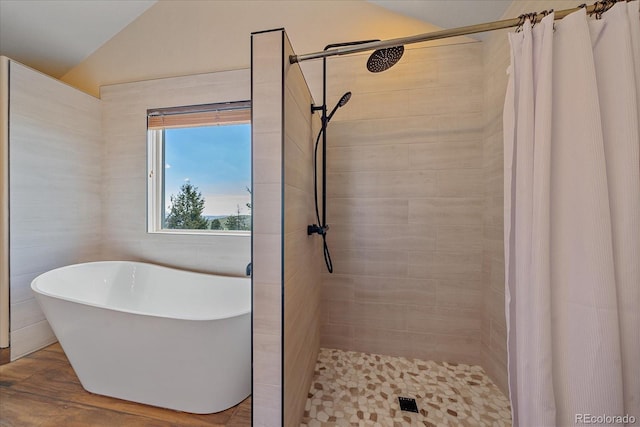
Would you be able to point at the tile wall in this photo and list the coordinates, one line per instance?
(286, 278)
(267, 145)
(494, 332)
(54, 197)
(72, 162)
(124, 178)
(303, 256)
(405, 206)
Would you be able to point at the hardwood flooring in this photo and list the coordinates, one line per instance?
(5, 355)
(43, 390)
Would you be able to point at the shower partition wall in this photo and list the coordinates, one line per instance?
(267, 136)
(286, 261)
(4, 212)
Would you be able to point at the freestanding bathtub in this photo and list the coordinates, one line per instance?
(152, 334)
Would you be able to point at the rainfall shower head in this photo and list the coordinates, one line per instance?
(343, 100)
(383, 59)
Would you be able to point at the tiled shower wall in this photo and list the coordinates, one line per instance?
(302, 253)
(405, 206)
(494, 332)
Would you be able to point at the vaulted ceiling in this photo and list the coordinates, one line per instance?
(53, 36)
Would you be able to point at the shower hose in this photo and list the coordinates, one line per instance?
(321, 227)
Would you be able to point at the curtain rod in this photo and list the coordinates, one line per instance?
(598, 8)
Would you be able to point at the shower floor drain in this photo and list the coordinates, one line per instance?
(408, 404)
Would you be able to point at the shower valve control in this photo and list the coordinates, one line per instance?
(312, 229)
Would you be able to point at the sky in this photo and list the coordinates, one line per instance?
(216, 159)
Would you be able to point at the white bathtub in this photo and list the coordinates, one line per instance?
(151, 334)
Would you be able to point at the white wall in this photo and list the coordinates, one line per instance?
(54, 195)
(124, 177)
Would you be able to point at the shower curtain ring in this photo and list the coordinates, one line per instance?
(600, 7)
(603, 8)
(520, 22)
(606, 5)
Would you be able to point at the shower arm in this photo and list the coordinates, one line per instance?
(443, 34)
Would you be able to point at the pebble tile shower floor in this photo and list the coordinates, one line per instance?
(359, 389)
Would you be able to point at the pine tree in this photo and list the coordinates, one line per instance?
(216, 224)
(186, 209)
(235, 222)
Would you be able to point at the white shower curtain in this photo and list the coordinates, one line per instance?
(572, 219)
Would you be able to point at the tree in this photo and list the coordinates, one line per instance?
(249, 191)
(216, 224)
(186, 209)
(238, 221)
(235, 222)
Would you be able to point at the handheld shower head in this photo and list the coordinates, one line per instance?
(343, 100)
(383, 59)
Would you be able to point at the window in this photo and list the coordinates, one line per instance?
(199, 169)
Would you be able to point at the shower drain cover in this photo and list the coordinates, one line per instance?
(408, 404)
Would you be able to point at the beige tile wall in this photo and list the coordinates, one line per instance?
(267, 256)
(493, 325)
(302, 253)
(72, 155)
(54, 194)
(405, 206)
(124, 182)
(496, 57)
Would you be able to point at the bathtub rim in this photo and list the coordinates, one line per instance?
(38, 290)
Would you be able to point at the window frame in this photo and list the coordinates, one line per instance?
(156, 163)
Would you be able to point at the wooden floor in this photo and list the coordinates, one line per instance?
(43, 390)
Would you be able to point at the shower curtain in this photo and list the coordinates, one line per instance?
(572, 219)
